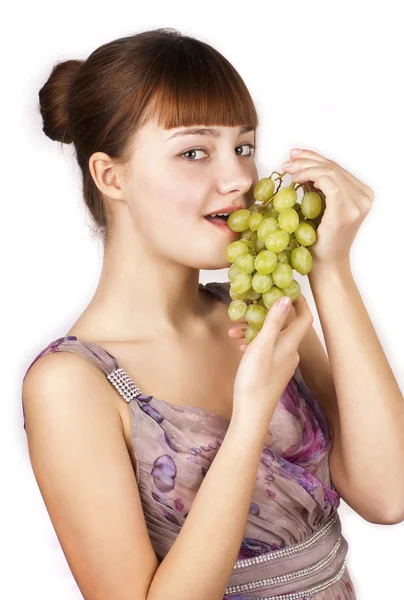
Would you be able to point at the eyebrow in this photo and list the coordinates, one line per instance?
(205, 131)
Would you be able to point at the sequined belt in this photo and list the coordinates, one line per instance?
(294, 572)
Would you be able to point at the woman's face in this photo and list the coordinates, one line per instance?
(172, 181)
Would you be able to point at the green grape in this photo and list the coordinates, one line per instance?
(267, 226)
(271, 296)
(259, 244)
(305, 234)
(282, 275)
(237, 310)
(238, 220)
(293, 290)
(288, 253)
(277, 240)
(255, 221)
(302, 260)
(261, 283)
(250, 334)
(233, 270)
(311, 223)
(253, 236)
(248, 243)
(241, 283)
(254, 207)
(255, 315)
(311, 205)
(245, 263)
(284, 198)
(264, 189)
(252, 295)
(288, 220)
(265, 262)
(283, 257)
(270, 212)
(245, 233)
(293, 244)
(234, 249)
(235, 296)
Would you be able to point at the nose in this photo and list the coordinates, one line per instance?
(234, 176)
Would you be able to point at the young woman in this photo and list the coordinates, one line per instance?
(174, 464)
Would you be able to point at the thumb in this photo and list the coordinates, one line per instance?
(275, 319)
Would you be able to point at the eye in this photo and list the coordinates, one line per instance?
(252, 149)
(189, 152)
(251, 153)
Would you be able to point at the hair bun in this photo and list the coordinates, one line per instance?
(53, 100)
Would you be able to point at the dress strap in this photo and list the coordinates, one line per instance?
(98, 355)
(102, 359)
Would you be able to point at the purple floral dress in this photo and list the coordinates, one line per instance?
(292, 545)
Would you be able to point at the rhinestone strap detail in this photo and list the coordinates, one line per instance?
(252, 585)
(309, 591)
(124, 384)
(288, 550)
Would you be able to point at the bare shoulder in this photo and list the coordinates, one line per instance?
(61, 381)
(85, 476)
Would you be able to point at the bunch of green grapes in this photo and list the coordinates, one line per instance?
(275, 235)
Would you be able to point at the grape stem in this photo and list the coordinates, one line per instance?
(306, 187)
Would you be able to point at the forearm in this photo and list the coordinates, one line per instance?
(370, 404)
(201, 560)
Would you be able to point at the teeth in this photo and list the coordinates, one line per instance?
(219, 215)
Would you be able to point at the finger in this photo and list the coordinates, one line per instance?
(240, 325)
(302, 322)
(302, 163)
(309, 154)
(273, 322)
(237, 332)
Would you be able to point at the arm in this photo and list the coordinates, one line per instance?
(86, 479)
(366, 461)
(201, 560)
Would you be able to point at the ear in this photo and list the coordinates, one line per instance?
(106, 175)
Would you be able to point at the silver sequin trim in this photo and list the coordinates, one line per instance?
(309, 591)
(246, 562)
(124, 384)
(252, 585)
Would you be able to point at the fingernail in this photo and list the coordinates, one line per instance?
(284, 303)
(295, 151)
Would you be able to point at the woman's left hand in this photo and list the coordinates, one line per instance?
(348, 201)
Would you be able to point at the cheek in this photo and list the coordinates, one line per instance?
(173, 193)
(185, 199)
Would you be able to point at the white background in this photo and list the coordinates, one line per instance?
(324, 76)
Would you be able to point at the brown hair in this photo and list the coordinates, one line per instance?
(99, 104)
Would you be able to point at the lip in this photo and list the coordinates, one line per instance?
(223, 226)
(226, 209)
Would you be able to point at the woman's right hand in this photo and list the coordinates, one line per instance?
(270, 360)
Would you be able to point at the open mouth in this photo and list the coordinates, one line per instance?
(220, 218)
(220, 222)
